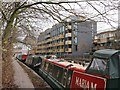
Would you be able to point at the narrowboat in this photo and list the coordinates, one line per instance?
(102, 73)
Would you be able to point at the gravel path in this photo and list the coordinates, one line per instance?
(22, 79)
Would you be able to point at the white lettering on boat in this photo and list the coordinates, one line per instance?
(85, 84)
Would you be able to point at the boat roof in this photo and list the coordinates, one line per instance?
(73, 65)
(64, 63)
(105, 53)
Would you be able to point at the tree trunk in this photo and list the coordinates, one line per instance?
(7, 54)
(7, 70)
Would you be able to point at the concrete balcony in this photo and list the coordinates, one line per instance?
(56, 44)
(49, 40)
(61, 36)
(46, 41)
(41, 47)
(68, 42)
(39, 43)
(56, 50)
(56, 38)
(96, 40)
(53, 45)
(50, 45)
(69, 27)
(47, 36)
(47, 46)
(50, 50)
(53, 38)
(44, 51)
(38, 47)
(38, 51)
(61, 43)
(53, 50)
(68, 50)
(103, 40)
(43, 42)
(61, 50)
(68, 35)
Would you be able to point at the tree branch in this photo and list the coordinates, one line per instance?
(3, 14)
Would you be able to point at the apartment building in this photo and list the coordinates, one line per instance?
(74, 37)
(107, 39)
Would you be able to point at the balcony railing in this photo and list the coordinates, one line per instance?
(68, 50)
(68, 35)
(61, 43)
(61, 50)
(61, 36)
(49, 50)
(39, 43)
(50, 45)
(47, 36)
(69, 27)
(49, 40)
(38, 51)
(68, 42)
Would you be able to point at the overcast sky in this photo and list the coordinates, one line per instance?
(101, 26)
(42, 25)
(84, 9)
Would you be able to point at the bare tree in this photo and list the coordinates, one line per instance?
(27, 18)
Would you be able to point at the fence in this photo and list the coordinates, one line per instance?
(78, 58)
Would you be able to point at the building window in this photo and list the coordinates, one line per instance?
(92, 26)
(69, 23)
(70, 46)
(75, 47)
(75, 41)
(61, 30)
(75, 25)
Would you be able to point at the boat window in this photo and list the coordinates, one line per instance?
(54, 71)
(53, 57)
(40, 59)
(48, 57)
(35, 60)
(50, 68)
(59, 74)
(43, 64)
(69, 80)
(98, 65)
(46, 67)
(64, 77)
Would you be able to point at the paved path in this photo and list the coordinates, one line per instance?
(22, 79)
(0, 74)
